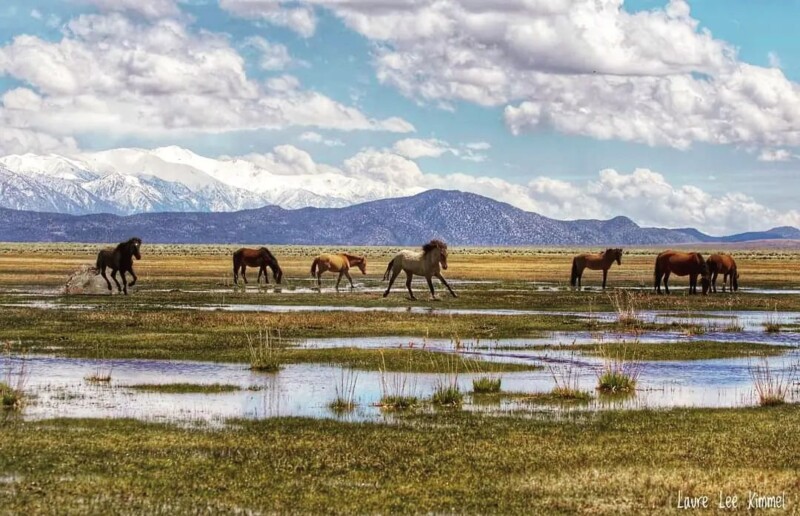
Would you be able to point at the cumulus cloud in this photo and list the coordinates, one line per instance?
(273, 56)
(643, 195)
(299, 19)
(111, 74)
(583, 67)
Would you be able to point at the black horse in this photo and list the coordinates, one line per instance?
(261, 258)
(119, 259)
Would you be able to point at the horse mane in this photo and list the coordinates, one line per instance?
(268, 253)
(128, 242)
(349, 256)
(434, 244)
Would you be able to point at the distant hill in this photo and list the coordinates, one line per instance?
(456, 217)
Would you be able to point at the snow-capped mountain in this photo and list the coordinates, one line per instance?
(171, 179)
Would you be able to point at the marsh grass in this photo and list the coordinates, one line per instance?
(446, 390)
(486, 385)
(345, 389)
(185, 388)
(620, 372)
(103, 370)
(12, 383)
(625, 304)
(398, 390)
(264, 350)
(772, 387)
(772, 324)
(567, 386)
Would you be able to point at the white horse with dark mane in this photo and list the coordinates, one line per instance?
(423, 263)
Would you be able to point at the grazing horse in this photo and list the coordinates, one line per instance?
(424, 263)
(119, 259)
(725, 264)
(340, 263)
(601, 261)
(681, 264)
(261, 258)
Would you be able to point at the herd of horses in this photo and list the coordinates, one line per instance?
(429, 262)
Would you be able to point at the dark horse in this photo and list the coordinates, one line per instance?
(681, 264)
(723, 264)
(602, 261)
(261, 258)
(119, 259)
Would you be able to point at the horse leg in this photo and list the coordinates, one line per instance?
(103, 273)
(124, 281)
(135, 277)
(319, 279)
(395, 274)
(114, 277)
(430, 286)
(714, 282)
(605, 275)
(409, 276)
(339, 279)
(347, 274)
(260, 272)
(266, 274)
(447, 285)
(666, 282)
(725, 282)
(693, 284)
(244, 276)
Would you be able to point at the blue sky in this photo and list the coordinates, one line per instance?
(533, 120)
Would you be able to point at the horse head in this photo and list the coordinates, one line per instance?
(272, 263)
(441, 247)
(616, 254)
(362, 265)
(133, 245)
(705, 274)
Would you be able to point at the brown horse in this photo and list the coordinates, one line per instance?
(261, 258)
(119, 259)
(601, 261)
(340, 263)
(681, 264)
(723, 264)
(426, 262)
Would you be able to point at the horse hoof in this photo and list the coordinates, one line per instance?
(385, 294)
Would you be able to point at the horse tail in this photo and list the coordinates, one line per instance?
(236, 261)
(573, 279)
(98, 263)
(657, 273)
(388, 268)
(314, 266)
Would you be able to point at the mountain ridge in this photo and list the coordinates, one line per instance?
(457, 217)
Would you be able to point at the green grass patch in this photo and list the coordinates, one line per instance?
(10, 398)
(397, 360)
(398, 402)
(486, 385)
(448, 395)
(185, 388)
(699, 350)
(614, 381)
(611, 462)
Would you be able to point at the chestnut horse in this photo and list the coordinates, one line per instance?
(261, 258)
(681, 264)
(340, 263)
(726, 265)
(424, 263)
(119, 259)
(601, 261)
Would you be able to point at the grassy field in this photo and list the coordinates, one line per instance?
(608, 463)
(536, 460)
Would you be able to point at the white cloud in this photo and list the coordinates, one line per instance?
(35, 14)
(415, 148)
(584, 67)
(146, 8)
(643, 195)
(776, 155)
(20, 141)
(299, 19)
(313, 137)
(274, 56)
(110, 74)
(774, 60)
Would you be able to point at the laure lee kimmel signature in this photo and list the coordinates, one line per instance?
(732, 502)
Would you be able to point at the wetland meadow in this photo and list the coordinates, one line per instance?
(522, 395)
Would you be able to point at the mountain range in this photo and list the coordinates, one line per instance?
(458, 218)
(171, 179)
